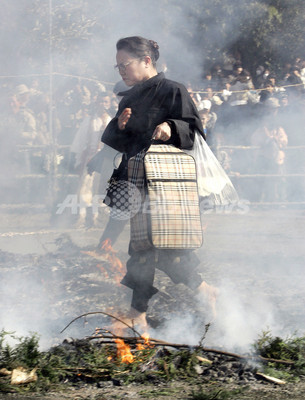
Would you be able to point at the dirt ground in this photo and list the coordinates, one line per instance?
(256, 257)
(174, 390)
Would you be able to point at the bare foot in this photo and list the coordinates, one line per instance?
(208, 294)
(133, 319)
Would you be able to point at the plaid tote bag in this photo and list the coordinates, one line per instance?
(170, 215)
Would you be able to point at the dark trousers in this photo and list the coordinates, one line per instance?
(179, 265)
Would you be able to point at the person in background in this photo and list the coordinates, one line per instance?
(267, 92)
(208, 119)
(262, 78)
(271, 140)
(74, 103)
(86, 143)
(194, 96)
(24, 115)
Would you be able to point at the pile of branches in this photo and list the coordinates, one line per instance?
(96, 360)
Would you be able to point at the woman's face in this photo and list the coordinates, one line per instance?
(132, 70)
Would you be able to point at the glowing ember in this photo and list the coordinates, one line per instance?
(123, 351)
(109, 255)
(115, 262)
(146, 343)
(103, 270)
(107, 245)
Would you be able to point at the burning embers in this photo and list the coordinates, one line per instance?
(119, 326)
(108, 255)
(124, 351)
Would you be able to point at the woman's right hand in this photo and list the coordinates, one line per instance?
(124, 118)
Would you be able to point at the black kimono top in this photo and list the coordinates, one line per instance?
(152, 102)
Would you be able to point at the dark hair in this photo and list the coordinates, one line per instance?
(139, 47)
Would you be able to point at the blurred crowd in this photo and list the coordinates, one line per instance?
(252, 123)
(250, 119)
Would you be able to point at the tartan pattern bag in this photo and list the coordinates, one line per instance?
(170, 215)
(139, 226)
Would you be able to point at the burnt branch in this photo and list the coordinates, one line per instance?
(106, 314)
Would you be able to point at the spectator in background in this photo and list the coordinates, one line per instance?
(263, 78)
(295, 88)
(269, 159)
(240, 102)
(217, 76)
(194, 96)
(86, 143)
(208, 94)
(228, 63)
(267, 92)
(212, 79)
(258, 73)
(24, 115)
(237, 71)
(109, 104)
(207, 80)
(208, 119)
(73, 106)
(302, 70)
(225, 91)
(295, 80)
(240, 87)
(31, 133)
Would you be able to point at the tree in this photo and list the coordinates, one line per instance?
(78, 34)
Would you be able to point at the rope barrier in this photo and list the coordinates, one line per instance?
(234, 147)
(56, 74)
(257, 147)
(266, 176)
(201, 91)
(85, 78)
(43, 232)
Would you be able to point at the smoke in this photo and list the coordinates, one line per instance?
(246, 250)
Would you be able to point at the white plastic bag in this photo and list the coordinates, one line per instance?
(110, 160)
(212, 180)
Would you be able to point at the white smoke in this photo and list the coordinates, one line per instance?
(275, 252)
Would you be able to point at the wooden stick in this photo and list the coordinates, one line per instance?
(157, 342)
(103, 313)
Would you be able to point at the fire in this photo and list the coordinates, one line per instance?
(124, 352)
(107, 245)
(109, 255)
(146, 343)
(115, 262)
(103, 270)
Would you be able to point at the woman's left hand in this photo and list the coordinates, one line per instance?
(162, 132)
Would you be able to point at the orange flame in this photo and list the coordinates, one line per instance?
(146, 344)
(103, 270)
(115, 262)
(123, 351)
(107, 245)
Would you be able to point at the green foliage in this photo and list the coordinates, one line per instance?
(25, 353)
(83, 360)
(263, 31)
(289, 349)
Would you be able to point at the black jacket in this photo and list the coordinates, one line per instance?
(152, 102)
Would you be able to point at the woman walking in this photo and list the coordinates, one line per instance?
(159, 110)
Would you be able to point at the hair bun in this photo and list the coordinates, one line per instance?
(154, 44)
